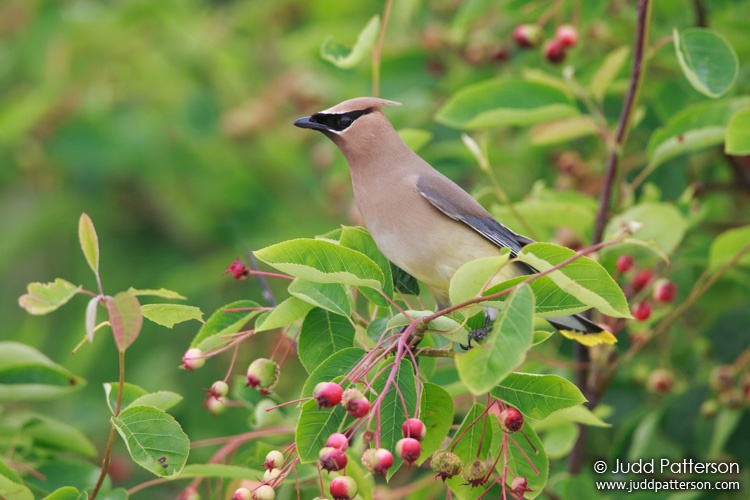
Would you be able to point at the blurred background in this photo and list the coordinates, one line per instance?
(170, 123)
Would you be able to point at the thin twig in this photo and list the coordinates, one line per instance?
(377, 51)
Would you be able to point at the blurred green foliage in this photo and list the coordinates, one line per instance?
(169, 123)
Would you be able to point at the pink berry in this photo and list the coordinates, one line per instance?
(238, 270)
(262, 374)
(355, 403)
(193, 359)
(408, 449)
(332, 459)
(664, 290)
(215, 406)
(241, 494)
(343, 488)
(274, 460)
(338, 440)
(554, 51)
(264, 492)
(414, 428)
(641, 279)
(625, 263)
(642, 311)
(328, 394)
(511, 420)
(660, 381)
(519, 485)
(567, 35)
(377, 460)
(527, 35)
(218, 390)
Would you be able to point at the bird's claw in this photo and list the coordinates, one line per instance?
(479, 334)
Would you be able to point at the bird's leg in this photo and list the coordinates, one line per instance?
(480, 334)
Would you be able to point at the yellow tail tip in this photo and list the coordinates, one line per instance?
(590, 339)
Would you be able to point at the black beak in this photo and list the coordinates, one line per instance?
(306, 122)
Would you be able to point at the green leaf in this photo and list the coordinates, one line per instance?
(697, 127)
(727, 245)
(578, 414)
(323, 333)
(359, 239)
(125, 318)
(170, 314)
(343, 57)
(453, 330)
(415, 138)
(323, 262)
(483, 367)
(436, 412)
(505, 102)
(336, 365)
(607, 72)
(26, 374)
(403, 281)
(726, 422)
(161, 292)
(89, 241)
(154, 439)
(564, 130)
(43, 298)
(538, 396)
(660, 223)
(471, 279)
(220, 471)
(533, 448)
(287, 312)
(551, 300)
(55, 434)
(130, 392)
(65, 493)
(222, 324)
(313, 428)
(540, 336)
(584, 278)
(329, 296)
(738, 134)
(392, 412)
(474, 443)
(14, 490)
(162, 400)
(707, 60)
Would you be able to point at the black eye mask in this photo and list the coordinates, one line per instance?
(338, 121)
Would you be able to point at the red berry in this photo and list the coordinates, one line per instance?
(377, 460)
(238, 270)
(408, 449)
(264, 492)
(328, 394)
(274, 460)
(554, 51)
(520, 486)
(338, 440)
(332, 459)
(511, 420)
(567, 35)
(660, 381)
(642, 311)
(527, 35)
(641, 279)
(262, 374)
(664, 290)
(355, 403)
(193, 359)
(414, 428)
(624, 263)
(343, 488)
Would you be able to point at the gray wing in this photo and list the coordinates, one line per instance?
(449, 198)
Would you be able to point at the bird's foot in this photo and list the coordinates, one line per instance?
(479, 334)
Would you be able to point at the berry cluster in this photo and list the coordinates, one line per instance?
(528, 36)
(662, 289)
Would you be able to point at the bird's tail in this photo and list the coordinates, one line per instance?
(582, 329)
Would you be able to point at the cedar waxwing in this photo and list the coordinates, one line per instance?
(420, 220)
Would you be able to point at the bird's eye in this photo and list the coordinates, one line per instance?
(344, 121)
